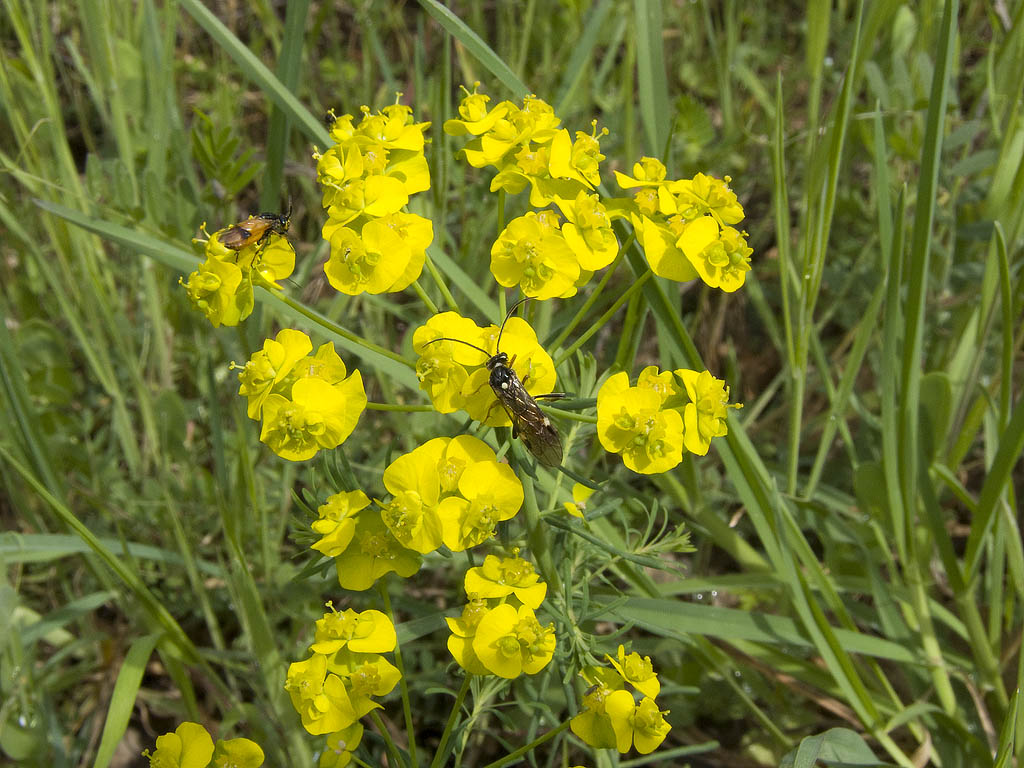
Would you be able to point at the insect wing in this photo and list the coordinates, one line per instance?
(529, 423)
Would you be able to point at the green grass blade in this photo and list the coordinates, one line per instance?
(579, 62)
(122, 699)
(257, 72)
(473, 43)
(655, 110)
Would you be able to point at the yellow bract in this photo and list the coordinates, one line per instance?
(190, 746)
(651, 423)
(455, 376)
(307, 402)
(368, 176)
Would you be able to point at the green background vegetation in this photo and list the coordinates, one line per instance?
(858, 558)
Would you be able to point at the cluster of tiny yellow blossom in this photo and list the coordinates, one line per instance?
(685, 225)
(455, 375)
(454, 492)
(546, 256)
(306, 401)
(651, 422)
(191, 746)
(335, 686)
(367, 177)
(619, 708)
(498, 632)
(450, 491)
(222, 286)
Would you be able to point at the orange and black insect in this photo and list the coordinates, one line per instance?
(528, 421)
(256, 230)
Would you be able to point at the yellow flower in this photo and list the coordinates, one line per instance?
(500, 577)
(463, 630)
(536, 257)
(476, 119)
(530, 362)
(442, 366)
(337, 522)
(637, 671)
(630, 421)
(662, 383)
(722, 262)
(367, 262)
(706, 194)
(221, 291)
(276, 261)
(367, 632)
(415, 234)
(238, 753)
(340, 746)
(190, 746)
(455, 376)
(491, 492)
(270, 367)
(588, 231)
(413, 480)
(321, 699)
(642, 725)
(318, 415)
(460, 453)
(371, 197)
(364, 675)
(661, 247)
(373, 552)
(580, 495)
(509, 642)
(648, 172)
(704, 416)
(592, 725)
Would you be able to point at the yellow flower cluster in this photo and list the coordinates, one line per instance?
(306, 401)
(498, 632)
(222, 287)
(362, 546)
(191, 746)
(332, 689)
(542, 254)
(455, 375)
(367, 177)
(451, 491)
(652, 422)
(685, 225)
(612, 716)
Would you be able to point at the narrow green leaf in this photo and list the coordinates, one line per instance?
(257, 72)
(655, 113)
(473, 43)
(122, 700)
(675, 618)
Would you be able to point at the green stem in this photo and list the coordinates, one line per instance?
(442, 286)
(431, 306)
(386, 735)
(599, 323)
(571, 415)
(528, 747)
(397, 407)
(322, 321)
(452, 718)
(592, 299)
(410, 729)
(536, 534)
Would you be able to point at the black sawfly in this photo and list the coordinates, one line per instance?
(528, 421)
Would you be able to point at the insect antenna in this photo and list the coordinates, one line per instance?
(460, 341)
(513, 308)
